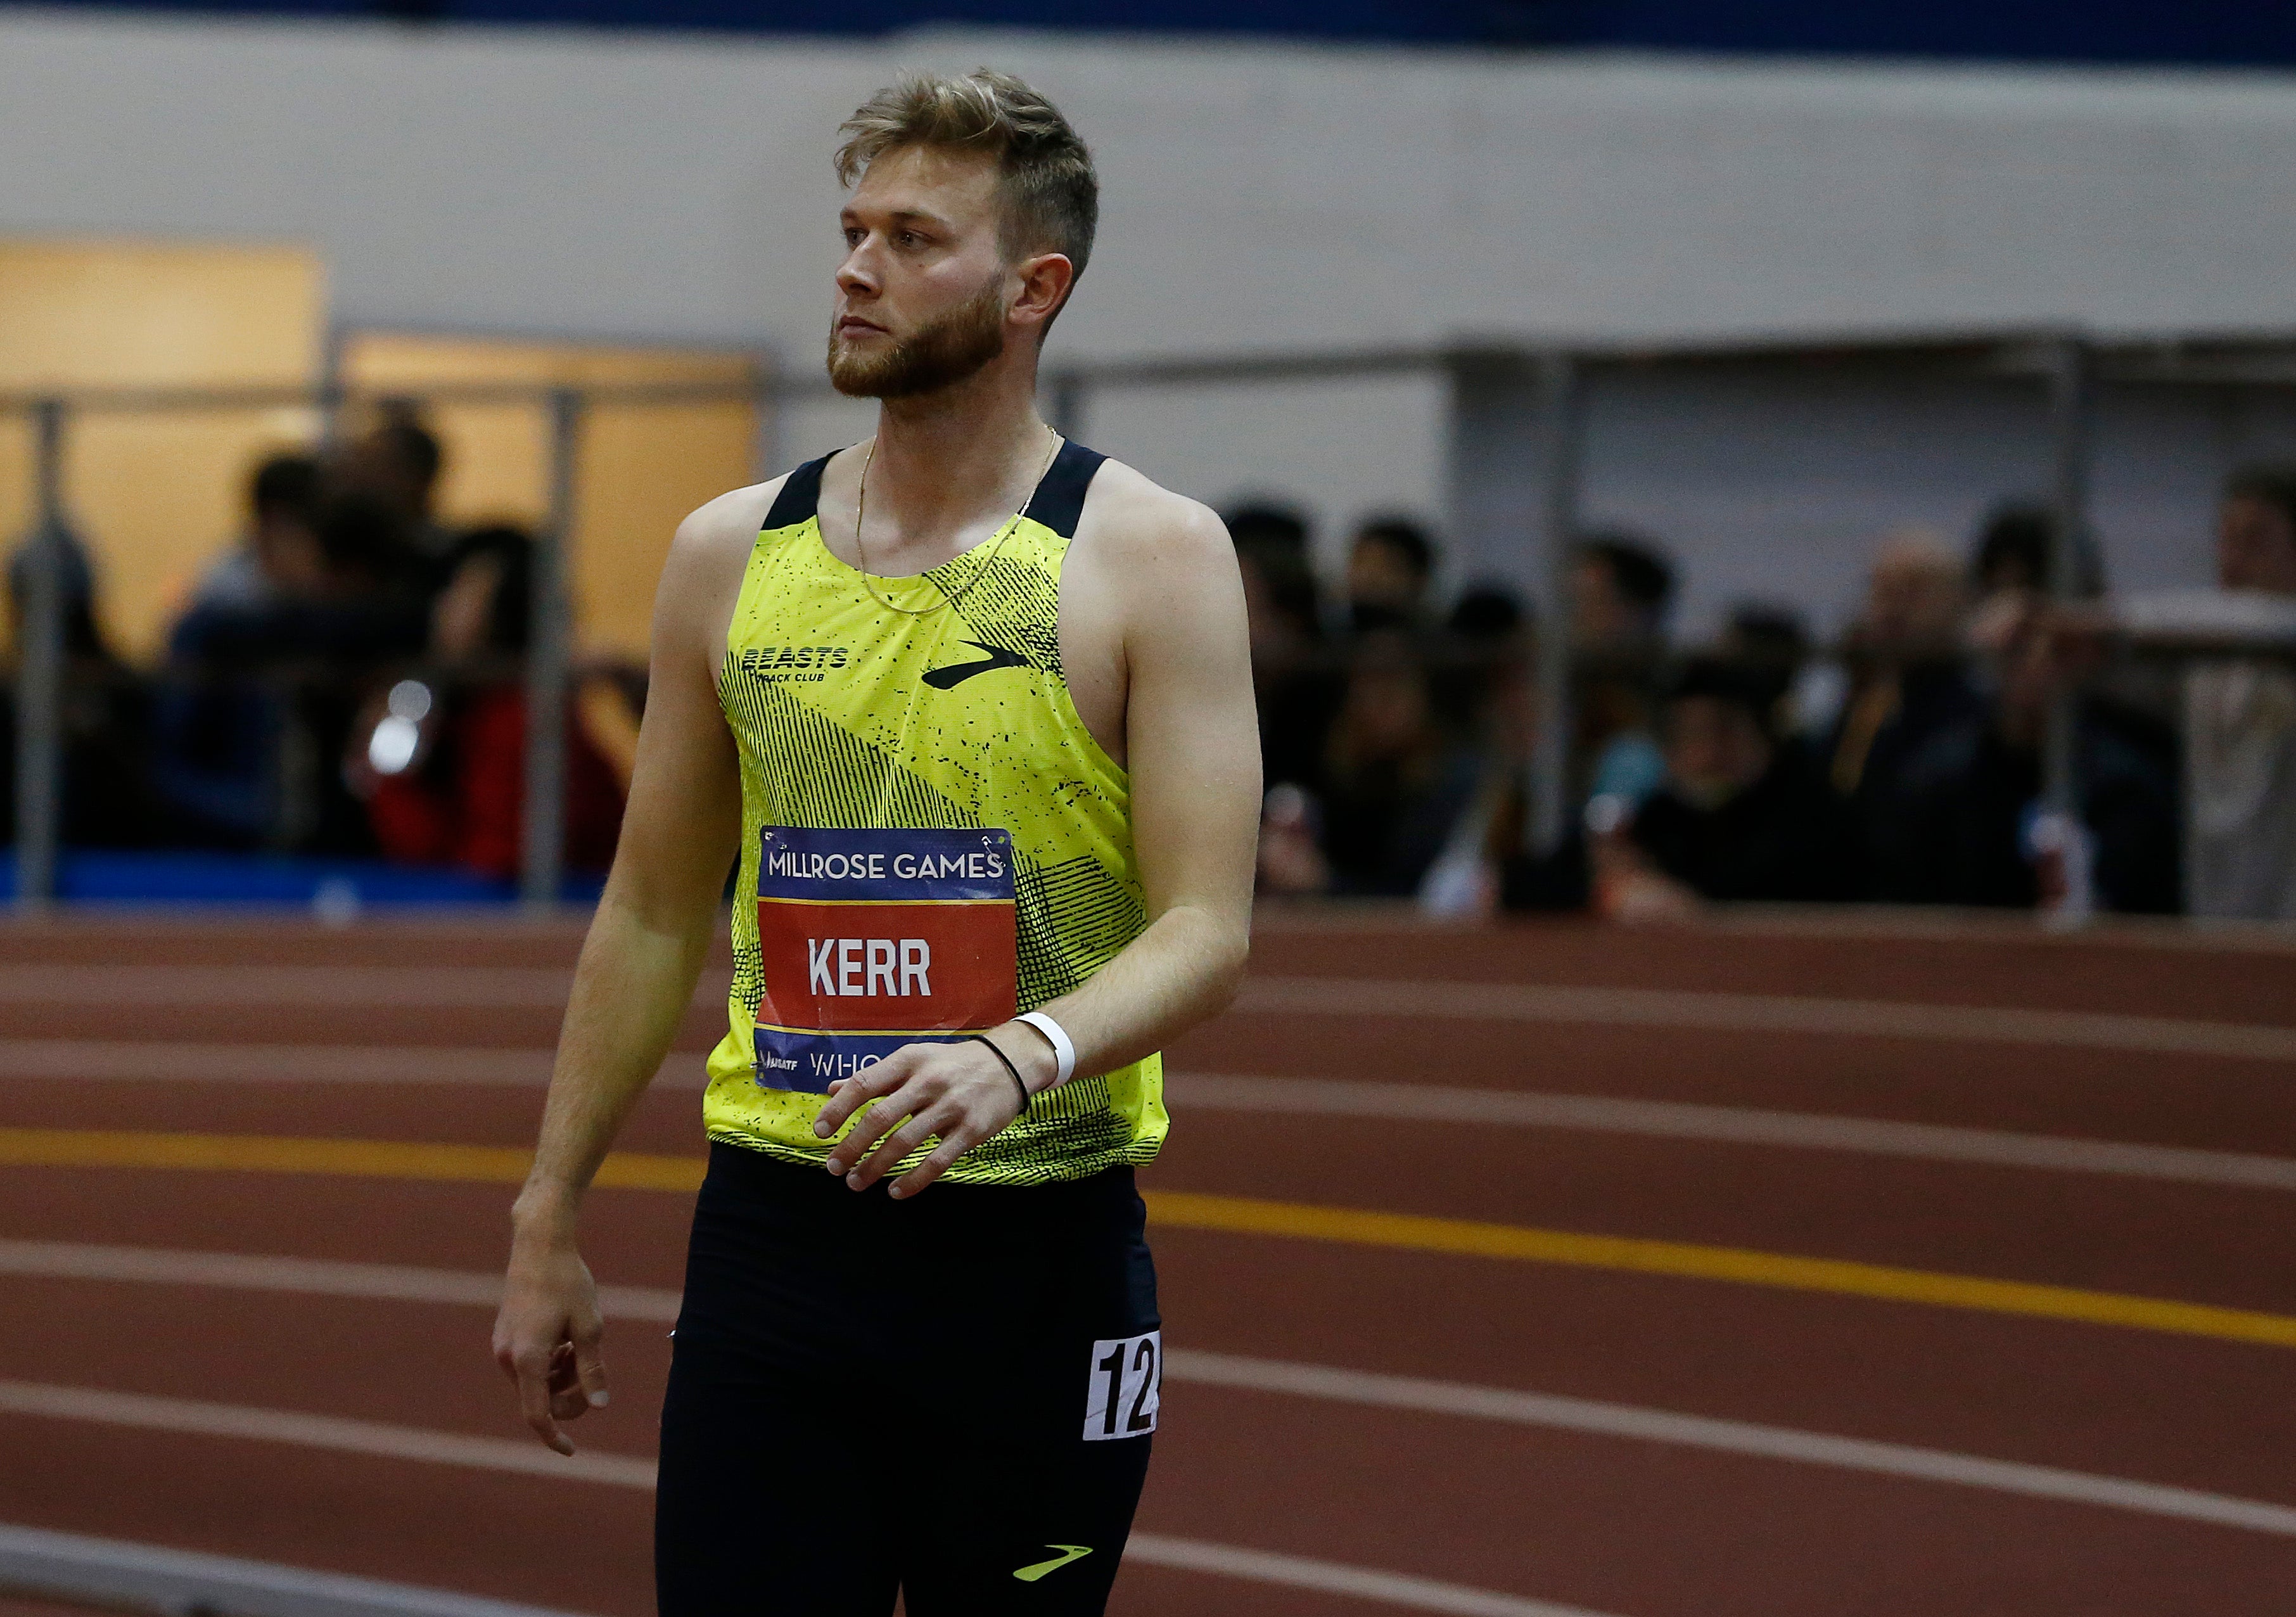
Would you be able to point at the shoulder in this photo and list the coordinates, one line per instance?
(1131, 522)
(731, 520)
(702, 575)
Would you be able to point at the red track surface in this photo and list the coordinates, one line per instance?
(1634, 1528)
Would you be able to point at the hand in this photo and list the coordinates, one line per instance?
(959, 1092)
(548, 1333)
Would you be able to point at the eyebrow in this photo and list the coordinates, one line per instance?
(901, 216)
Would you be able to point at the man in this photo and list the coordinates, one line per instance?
(1741, 816)
(2239, 702)
(1297, 686)
(1621, 591)
(398, 462)
(984, 700)
(1390, 565)
(1914, 752)
(281, 554)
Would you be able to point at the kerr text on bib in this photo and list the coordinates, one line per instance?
(869, 940)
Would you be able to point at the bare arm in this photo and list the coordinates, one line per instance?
(1192, 748)
(644, 951)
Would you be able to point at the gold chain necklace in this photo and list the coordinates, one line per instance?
(861, 508)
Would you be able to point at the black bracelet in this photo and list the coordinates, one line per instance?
(1019, 1082)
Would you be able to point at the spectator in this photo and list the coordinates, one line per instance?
(1279, 582)
(2124, 749)
(1487, 674)
(1740, 815)
(2240, 717)
(1904, 754)
(1622, 592)
(1393, 786)
(441, 763)
(1772, 643)
(280, 554)
(1296, 689)
(1390, 565)
(107, 796)
(1486, 616)
(257, 690)
(398, 462)
(2012, 554)
(358, 603)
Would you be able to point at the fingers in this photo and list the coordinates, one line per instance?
(570, 1395)
(896, 1094)
(916, 1094)
(590, 1363)
(549, 1344)
(899, 1142)
(533, 1371)
(848, 1095)
(924, 1173)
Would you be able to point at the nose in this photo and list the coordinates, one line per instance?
(856, 277)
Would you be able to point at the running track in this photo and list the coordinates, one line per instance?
(1773, 1267)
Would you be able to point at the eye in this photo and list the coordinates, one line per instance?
(910, 238)
(853, 235)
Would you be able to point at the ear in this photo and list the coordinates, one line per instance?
(1044, 278)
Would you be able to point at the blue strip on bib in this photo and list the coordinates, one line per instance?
(826, 866)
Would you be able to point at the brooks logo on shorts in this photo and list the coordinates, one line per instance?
(1068, 1552)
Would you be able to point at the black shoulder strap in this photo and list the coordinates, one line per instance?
(1059, 500)
(799, 498)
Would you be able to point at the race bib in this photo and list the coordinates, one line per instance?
(1124, 1390)
(871, 939)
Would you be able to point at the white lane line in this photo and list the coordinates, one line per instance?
(1342, 997)
(1429, 1102)
(333, 1432)
(155, 1060)
(504, 986)
(306, 1276)
(429, 986)
(1326, 1577)
(530, 1459)
(327, 1277)
(113, 1574)
(160, 1060)
(1728, 1437)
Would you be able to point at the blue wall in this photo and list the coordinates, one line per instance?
(2259, 32)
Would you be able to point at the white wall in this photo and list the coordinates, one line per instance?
(1258, 197)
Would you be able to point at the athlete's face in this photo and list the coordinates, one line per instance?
(921, 294)
(925, 297)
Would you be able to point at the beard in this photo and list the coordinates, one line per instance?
(939, 354)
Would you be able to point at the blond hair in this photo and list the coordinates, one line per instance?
(1051, 196)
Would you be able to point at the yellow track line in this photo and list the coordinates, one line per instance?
(292, 1154)
(1183, 1210)
(1413, 1232)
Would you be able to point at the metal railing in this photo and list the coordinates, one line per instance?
(1546, 382)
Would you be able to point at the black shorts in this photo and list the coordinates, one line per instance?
(950, 1396)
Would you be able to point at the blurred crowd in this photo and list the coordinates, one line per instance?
(348, 679)
(1906, 761)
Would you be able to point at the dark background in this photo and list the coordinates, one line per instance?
(2254, 32)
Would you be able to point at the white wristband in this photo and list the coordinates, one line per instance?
(1057, 1036)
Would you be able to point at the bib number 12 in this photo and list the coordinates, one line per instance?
(1123, 1388)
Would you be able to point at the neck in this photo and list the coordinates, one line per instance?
(947, 457)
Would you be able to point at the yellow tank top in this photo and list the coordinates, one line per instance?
(852, 717)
